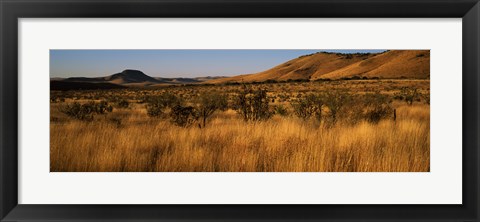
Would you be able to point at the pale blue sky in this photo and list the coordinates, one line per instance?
(171, 63)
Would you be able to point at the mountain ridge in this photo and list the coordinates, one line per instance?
(399, 64)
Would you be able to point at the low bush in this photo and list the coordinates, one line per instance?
(123, 104)
(184, 116)
(207, 103)
(308, 106)
(408, 94)
(252, 104)
(336, 101)
(157, 106)
(281, 110)
(377, 107)
(85, 112)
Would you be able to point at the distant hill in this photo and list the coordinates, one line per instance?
(126, 78)
(131, 76)
(323, 65)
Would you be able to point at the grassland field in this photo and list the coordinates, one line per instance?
(127, 139)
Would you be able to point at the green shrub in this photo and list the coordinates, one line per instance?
(252, 104)
(281, 110)
(100, 108)
(157, 106)
(408, 94)
(86, 111)
(308, 106)
(77, 111)
(207, 103)
(123, 104)
(336, 101)
(184, 115)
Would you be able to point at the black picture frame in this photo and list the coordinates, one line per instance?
(11, 11)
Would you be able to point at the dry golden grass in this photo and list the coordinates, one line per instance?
(228, 144)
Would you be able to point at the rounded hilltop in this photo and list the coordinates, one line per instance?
(130, 76)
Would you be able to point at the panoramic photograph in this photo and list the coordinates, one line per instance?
(240, 110)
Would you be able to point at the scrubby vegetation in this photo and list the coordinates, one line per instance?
(85, 111)
(354, 125)
(252, 104)
(157, 106)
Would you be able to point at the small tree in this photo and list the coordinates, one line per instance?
(408, 94)
(158, 105)
(184, 115)
(123, 104)
(252, 104)
(208, 103)
(309, 106)
(335, 101)
(100, 108)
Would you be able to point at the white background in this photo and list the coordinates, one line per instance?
(440, 186)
